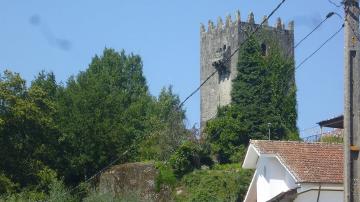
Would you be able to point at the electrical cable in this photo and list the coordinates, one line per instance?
(350, 25)
(317, 126)
(232, 54)
(104, 168)
(96, 174)
(329, 15)
(322, 45)
(197, 89)
(213, 73)
(337, 5)
(310, 128)
(256, 30)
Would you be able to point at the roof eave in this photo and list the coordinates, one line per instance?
(251, 157)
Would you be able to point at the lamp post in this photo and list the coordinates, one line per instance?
(269, 129)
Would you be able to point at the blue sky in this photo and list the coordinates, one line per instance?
(63, 36)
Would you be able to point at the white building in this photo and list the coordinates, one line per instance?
(294, 171)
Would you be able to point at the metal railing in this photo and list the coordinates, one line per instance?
(335, 136)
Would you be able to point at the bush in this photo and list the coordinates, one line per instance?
(6, 185)
(165, 177)
(25, 195)
(238, 154)
(226, 182)
(332, 139)
(49, 189)
(59, 193)
(189, 156)
(226, 136)
(204, 153)
(184, 160)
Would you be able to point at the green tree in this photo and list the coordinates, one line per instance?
(185, 159)
(263, 96)
(103, 113)
(167, 127)
(221, 183)
(49, 130)
(27, 130)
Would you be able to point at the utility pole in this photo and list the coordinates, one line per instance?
(352, 103)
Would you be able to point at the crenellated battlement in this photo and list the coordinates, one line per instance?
(229, 23)
(220, 40)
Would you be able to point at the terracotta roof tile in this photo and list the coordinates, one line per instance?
(308, 162)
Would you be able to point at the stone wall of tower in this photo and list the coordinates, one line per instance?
(221, 40)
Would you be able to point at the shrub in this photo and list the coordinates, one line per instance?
(165, 177)
(185, 159)
(189, 156)
(49, 189)
(332, 138)
(226, 182)
(6, 185)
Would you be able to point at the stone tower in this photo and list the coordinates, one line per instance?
(221, 40)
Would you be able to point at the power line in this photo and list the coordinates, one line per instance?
(256, 30)
(97, 173)
(182, 103)
(225, 60)
(310, 128)
(197, 89)
(132, 146)
(329, 15)
(93, 176)
(311, 55)
(350, 25)
(322, 45)
(335, 4)
(317, 27)
(355, 33)
(212, 74)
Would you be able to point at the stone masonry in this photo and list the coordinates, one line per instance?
(221, 41)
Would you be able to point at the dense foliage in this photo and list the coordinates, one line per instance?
(104, 113)
(28, 131)
(55, 136)
(165, 177)
(188, 157)
(263, 97)
(167, 131)
(222, 183)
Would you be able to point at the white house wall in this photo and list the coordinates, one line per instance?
(328, 193)
(273, 179)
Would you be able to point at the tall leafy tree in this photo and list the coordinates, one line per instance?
(103, 113)
(28, 134)
(166, 127)
(74, 130)
(263, 97)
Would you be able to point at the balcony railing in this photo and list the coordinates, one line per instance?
(335, 136)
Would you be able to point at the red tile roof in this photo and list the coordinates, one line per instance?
(308, 162)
